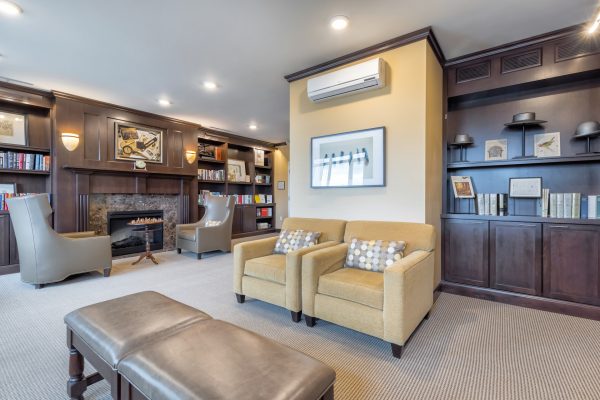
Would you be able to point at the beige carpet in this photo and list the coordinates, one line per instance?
(468, 349)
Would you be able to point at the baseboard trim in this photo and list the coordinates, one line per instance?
(9, 269)
(523, 300)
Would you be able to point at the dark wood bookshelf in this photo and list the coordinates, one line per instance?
(523, 218)
(24, 149)
(210, 181)
(210, 161)
(23, 171)
(592, 158)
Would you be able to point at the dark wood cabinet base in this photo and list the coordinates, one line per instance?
(523, 300)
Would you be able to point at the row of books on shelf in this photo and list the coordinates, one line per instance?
(6, 196)
(263, 225)
(492, 203)
(211, 174)
(239, 198)
(263, 198)
(569, 205)
(24, 161)
(262, 179)
(264, 211)
(242, 198)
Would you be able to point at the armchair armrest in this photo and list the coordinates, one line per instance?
(245, 251)
(293, 274)
(77, 235)
(315, 264)
(408, 295)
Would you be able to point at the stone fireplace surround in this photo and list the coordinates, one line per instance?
(101, 204)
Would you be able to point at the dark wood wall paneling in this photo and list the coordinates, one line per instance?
(522, 259)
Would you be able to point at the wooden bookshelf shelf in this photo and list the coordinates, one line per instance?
(524, 162)
(263, 167)
(263, 184)
(523, 218)
(209, 161)
(239, 183)
(209, 181)
(24, 149)
(23, 171)
(265, 204)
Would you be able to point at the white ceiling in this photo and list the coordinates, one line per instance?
(132, 52)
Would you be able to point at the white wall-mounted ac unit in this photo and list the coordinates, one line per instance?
(358, 78)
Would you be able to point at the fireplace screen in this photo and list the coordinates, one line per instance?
(127, 239)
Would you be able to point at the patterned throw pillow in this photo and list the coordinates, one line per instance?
(290, 240)
(374, 255)
(212, 223)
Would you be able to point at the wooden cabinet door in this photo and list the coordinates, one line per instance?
(516, 257)
(466, 252)
(14, 254)
(237, 225)
(5, 240)
(249, 218)
(572, 263)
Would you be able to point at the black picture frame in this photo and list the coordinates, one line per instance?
(536, 195)
(12, 185)
(381, 160)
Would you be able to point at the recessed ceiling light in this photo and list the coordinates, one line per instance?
(594, 25)
(164, 102)
(10, 8)
(210, 85)
(253, 127)
(339, 22)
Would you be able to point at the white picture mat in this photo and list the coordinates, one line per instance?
(12, 128)
(462, 187)
(502, 143)
(547, 144)
(525, 187)
(371, 139)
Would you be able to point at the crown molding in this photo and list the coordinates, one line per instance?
(421, 34)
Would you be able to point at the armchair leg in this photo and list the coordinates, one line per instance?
(107, 272)
(427, 315)
(178, 251)
(199, 256)
(38, 285)
(240, 298)
(310, 321)
(396, 350)
(296, 315)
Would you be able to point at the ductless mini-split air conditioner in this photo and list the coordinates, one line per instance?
(358, 78)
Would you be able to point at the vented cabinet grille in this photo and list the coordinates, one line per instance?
(576, 48)
(473, 72)
(518, 62)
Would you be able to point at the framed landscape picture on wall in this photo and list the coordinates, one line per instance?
(13, 128)
(136, 142)
(350, 159)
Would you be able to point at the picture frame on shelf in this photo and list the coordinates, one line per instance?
(462, 187)
(13, 128)
(525, 188)
(496, 150)
(259, 157)
(236, 170)
(136, 142)
(349, 159)
(546, 144)
(8, 188)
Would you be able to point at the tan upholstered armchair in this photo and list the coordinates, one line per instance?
(276, 278)
(390, 304)
(202, 236)
(46, 256)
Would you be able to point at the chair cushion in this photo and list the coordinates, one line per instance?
(188, 234)
(217, 360)
(116, 327)
(291, 240)
(356, 285)
(374, 255)
(270, 268)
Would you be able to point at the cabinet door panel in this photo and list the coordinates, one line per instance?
(572, 263)
(14, 254)
(237, 225)
(516, 257)
(466, 252)
(249, 219)
(4, 239)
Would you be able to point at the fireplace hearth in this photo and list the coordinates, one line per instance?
(127, 239)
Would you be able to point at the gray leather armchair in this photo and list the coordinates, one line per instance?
(46, 256)
(201, 237)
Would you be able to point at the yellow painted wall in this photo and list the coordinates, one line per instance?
(282, 156)
(410, 108)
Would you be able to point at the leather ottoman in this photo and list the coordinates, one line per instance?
(105, 332)
(216, 360)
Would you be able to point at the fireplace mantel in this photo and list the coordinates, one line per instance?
(121, 169)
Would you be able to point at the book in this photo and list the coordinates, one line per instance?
(552, 205)
(576, 207)
(584, 207)
(592, 210)
(503, 204)
(568, 205)
(493, 204)
(480, 204)
(560, 206)
(486, 205)
(545, 202)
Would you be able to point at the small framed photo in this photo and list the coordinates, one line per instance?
(236, 170)
(496, 150)
(280, 185)
(13, 128)
(8, 188)
(463, 187)
(547, 144)
(528, 188)
(259, 157)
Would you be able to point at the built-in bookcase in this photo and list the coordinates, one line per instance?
(252, 216)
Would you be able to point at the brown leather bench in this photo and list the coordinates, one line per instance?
(105, 332)
(148, 346)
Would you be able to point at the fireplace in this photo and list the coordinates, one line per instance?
(127, 239)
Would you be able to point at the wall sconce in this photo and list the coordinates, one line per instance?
(190, 156)
(70, 140)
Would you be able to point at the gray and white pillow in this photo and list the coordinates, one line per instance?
(374, 255)
(290, 240)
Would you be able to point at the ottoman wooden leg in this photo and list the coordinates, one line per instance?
(77, 383)
(296, 316)
(178, 251)
(240, 298)
(107, 272)
(328, 395)
(310, 321)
